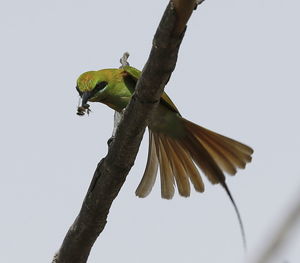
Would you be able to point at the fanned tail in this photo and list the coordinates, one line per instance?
(177, 158)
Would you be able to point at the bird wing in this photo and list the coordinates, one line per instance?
(135, 74)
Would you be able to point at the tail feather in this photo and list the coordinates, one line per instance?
(166, 174)
(237, 153)
(238, 146)
(227, 156)
(177, 166)
(238, 215)
(218, 154)
(202, 158)
(150, 173)
(192, 171)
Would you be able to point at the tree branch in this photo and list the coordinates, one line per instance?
(111, 172)
(282, 234)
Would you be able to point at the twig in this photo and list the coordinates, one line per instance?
(123, 60)
(282, 235)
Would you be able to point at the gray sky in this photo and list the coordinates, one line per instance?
(237, 74)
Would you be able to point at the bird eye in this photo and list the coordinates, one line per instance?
(80, 92)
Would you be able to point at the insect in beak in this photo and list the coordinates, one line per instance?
(83, 107)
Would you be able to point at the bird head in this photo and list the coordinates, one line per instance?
(90, 87)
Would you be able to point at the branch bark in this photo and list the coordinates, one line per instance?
(112, 170)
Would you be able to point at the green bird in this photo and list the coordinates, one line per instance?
(176, 145)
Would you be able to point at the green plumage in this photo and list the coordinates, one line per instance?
(118, 91)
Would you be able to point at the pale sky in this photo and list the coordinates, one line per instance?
(237, 74)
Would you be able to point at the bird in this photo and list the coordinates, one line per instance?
(178, 148)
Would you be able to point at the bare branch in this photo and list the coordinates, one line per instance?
(283, 233)
(111, 172)
(184, 10)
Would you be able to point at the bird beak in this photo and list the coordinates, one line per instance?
(85, 97)
(84, 107)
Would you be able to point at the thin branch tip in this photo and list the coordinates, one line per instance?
(123, 60)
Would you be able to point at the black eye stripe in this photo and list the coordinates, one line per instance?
(99, 86)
